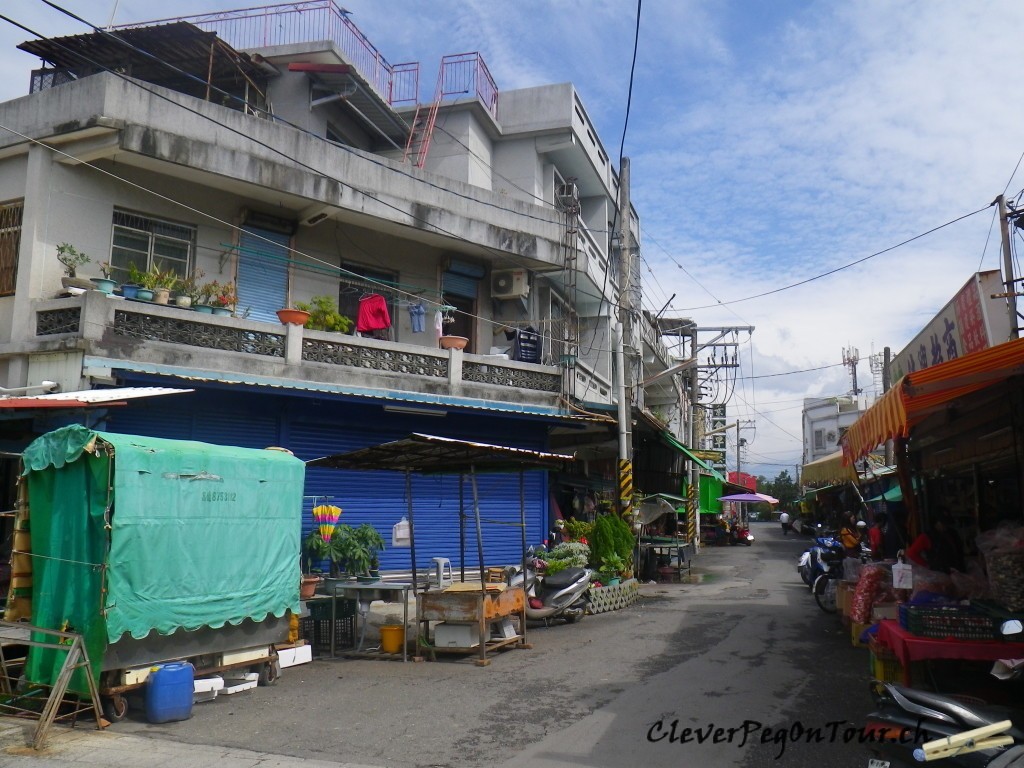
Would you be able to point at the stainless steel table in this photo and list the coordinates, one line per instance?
(385, 591)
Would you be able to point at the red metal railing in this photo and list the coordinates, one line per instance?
(466, 74)
(304, 22)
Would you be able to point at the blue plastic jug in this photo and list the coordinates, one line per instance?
(169, 690)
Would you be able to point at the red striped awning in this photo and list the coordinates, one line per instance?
(921, 393)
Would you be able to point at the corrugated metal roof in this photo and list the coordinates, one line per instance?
(433, 454)
(93, 396)
(398, 397)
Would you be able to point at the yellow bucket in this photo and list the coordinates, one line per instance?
(391, 638)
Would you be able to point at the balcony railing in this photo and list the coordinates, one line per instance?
(329, 357)
(307, 22)
(466, 74)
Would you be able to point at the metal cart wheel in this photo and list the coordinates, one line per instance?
(268, 673)
(115, 708)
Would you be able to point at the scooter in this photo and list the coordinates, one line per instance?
(811, 563)
(739, 533)
(561, 595)
(910, 726)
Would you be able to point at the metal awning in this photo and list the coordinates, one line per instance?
(431, 454)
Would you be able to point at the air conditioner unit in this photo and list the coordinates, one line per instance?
(567, 195)
(509, 284)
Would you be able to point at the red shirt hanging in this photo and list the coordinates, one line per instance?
(373, 314)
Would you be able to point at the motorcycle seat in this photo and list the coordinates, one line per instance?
(970, 716)
(563, 578)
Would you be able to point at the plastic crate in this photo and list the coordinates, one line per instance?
(942, 621)
(321, 609)
(883, 664)
(856, 630)
(317, 632)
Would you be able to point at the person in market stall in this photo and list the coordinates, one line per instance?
(939, 548)
(849, 535)
(876, 536)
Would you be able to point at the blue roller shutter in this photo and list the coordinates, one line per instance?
(262, 273)
(460, 285)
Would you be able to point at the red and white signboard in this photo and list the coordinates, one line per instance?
(973, 320)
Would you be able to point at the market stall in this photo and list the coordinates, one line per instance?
(481, 607)
(155, 550)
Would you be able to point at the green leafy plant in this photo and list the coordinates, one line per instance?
(157, 278)
(135, 275)
(324, 315)
(319, 549)
(189, 285)
(611, 568)
(576, 530)
(611, 538)
(71, 258)
(570, 554)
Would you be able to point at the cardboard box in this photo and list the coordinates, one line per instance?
(885, 611)
(447, 635)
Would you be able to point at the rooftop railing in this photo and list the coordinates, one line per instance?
(305, 22)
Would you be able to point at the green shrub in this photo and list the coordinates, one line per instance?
(612, 538)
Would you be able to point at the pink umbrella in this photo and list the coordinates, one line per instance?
(752, 497)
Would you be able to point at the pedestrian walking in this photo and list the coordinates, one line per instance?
(784, 519)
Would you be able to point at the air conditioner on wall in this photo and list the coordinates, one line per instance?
(509, 284)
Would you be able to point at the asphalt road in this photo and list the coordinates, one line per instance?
(744, 644)
(743, 649)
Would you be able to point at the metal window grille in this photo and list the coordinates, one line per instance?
(10, 242)
(149, 242)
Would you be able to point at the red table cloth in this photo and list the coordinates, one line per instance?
(908, 647)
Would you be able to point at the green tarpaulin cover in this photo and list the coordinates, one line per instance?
(189, 535)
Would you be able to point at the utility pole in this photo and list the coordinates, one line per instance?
(886, 384)
(621, 335)
(851, 356)
(1009, 283)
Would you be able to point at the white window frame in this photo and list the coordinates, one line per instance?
(156, 232)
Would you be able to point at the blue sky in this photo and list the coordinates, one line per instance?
(770, 142)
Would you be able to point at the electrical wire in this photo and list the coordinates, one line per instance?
(286, 156)
(845, 266)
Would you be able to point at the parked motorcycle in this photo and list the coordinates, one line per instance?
(739, 533)
(561, 595)
(810, 563)
(907, 725)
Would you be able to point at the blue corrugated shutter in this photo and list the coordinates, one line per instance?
(312, 429)
(262, 273)
(460, 285)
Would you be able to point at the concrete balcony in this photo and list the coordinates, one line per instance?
(103, 334)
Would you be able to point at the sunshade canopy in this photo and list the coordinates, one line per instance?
(922, 393)
(827, 469)
(430, 454)
(751, 497)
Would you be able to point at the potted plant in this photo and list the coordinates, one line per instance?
(324, 315)
(224, 300)
(362, 551)
(204, 296)
(161, 281)
(611, 570)
(447, 340)
(130, 289)
(72, 259)
(186, 292)
(327, 540)
(105, 283)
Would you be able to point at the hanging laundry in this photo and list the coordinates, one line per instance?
(373, 314)
(438, 324)
(417, 313)
(526, 346)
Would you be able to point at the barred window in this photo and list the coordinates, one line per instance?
(147, 242)
(10, 242)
